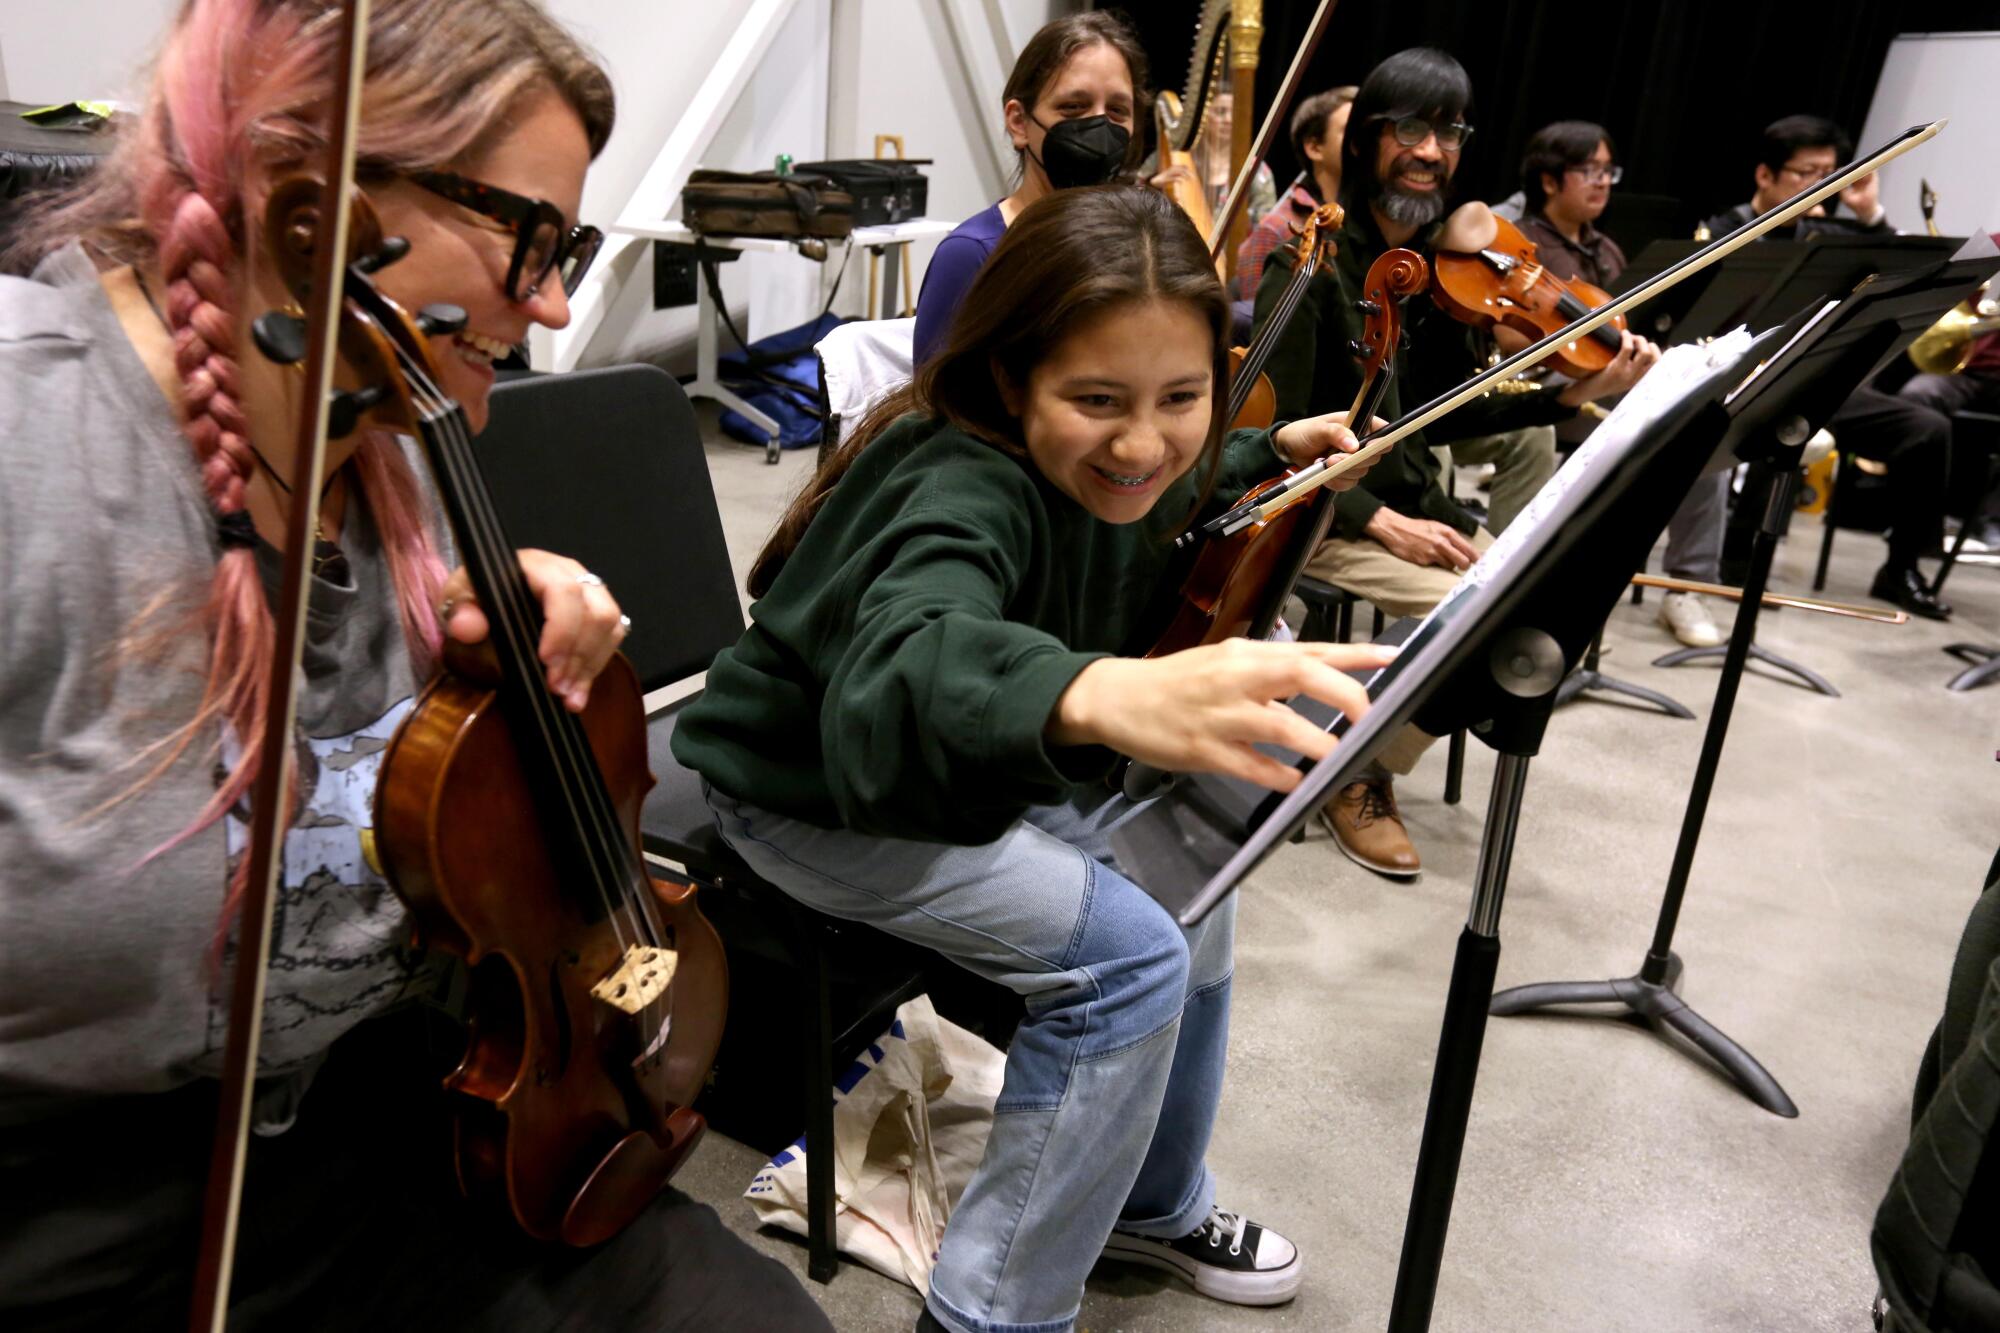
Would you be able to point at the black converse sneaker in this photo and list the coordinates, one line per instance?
(1229, 1258)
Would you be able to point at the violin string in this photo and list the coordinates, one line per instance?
(513, 630)
(1253, 361)
(623, 885)
(578, 778)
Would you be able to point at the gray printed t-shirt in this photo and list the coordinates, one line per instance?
(107, 983)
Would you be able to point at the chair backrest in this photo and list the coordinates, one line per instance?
(607, 466)
(863, 361)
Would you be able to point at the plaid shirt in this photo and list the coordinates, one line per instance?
(1277, 227)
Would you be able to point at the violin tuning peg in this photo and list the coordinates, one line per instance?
(1368, 307)
(393, 249)
(1356, 347)
(344, 409)
(440, 318)
(280, 337)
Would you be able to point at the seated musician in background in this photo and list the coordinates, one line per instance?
(1794, 154)
(144, 451)
(1912, 439)
(1567, 171)
(1069, 105)
(1975, 387)
(1316, 131)
(1398, 540)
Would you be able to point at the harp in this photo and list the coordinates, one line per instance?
(1207, 125)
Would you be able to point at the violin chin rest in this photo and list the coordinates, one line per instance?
(1470, 229)
(628, 1178)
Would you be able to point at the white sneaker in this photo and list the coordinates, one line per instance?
(1229, 1258)
(1687, 616)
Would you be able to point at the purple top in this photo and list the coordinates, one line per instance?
(953, 266)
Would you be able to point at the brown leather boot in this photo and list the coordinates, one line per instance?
(1365, 824)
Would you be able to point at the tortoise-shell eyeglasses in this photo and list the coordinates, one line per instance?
(544, 241)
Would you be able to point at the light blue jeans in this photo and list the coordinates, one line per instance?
(1113, 1077)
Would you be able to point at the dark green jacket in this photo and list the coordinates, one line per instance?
(1314, 372)
(897, 677)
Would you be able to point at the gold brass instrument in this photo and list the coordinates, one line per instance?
(1945, 347)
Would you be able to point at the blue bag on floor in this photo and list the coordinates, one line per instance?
(793, 400)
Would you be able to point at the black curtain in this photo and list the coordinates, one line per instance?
(1683, 86)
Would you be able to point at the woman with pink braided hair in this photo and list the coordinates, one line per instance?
(145, 454)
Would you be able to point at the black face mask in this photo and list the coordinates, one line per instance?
(1084, 151)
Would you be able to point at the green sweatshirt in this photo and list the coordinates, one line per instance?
(897, 677)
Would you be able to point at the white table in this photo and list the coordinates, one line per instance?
(892, 238)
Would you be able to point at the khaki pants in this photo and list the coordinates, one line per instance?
(1523, 460)
(1365, 568)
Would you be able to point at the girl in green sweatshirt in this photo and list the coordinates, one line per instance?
(915, 730)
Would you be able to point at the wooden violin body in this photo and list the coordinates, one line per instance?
(1506, 283)
(562, 1117)
(510, 827)
(1232, 588)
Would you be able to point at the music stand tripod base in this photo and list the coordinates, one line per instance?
(1807, 676)
(1655, 1005)
(1648, 998)
(1985, 665)
(1587, 679)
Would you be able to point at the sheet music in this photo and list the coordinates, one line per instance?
(1680, 372)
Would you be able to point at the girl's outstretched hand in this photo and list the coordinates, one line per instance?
(1205, 709)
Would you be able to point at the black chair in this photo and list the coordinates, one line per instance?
(1975, 449)
(607, 466)
(1973, 435)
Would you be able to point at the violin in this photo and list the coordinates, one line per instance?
(1253, 401)
(510, 828)
(1316, 475)
(1237, 583)
(1506, 283)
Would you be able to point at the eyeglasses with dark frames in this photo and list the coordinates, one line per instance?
(1593, 172)
(544, 240)
(1413, 130)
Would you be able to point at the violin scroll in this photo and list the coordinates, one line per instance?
(373, 329)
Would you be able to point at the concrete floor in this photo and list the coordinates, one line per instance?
(1609, 1181)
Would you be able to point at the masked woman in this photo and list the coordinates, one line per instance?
(1069, 106)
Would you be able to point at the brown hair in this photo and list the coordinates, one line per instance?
(1071, 255)
(1050, 49)
(1309, 121)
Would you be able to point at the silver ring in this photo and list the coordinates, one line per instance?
(625, 624)
(589, 580)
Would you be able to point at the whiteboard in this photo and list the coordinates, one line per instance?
(1928, 75)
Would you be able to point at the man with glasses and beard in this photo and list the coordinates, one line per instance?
(1912, 439)
(1398, 540)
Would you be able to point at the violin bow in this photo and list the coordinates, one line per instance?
(220, 1212)
(1268, 131)
(1374, 445)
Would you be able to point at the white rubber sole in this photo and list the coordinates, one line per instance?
(1273, 1286)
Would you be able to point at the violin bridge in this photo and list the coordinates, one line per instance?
(640, 979)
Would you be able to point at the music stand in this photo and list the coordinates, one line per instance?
(1767, 283)
(1490, 658)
